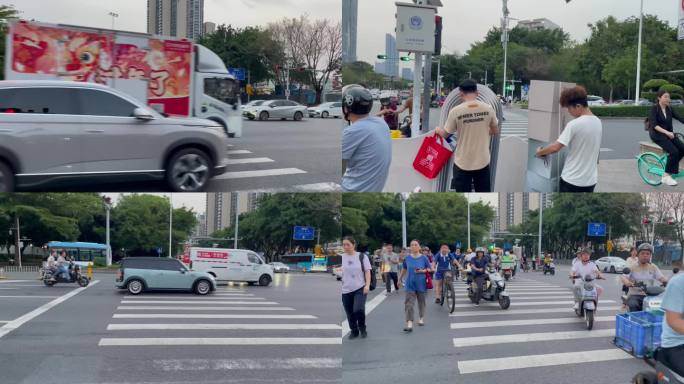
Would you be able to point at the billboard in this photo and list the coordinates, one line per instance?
(415, 28)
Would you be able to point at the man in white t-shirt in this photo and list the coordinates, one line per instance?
(581, 269)
(582, 137)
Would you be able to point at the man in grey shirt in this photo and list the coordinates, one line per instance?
(366, 143)
(390, 267)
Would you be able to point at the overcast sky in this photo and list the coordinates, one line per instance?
(133, 13)
(466, 22)
(196, 201)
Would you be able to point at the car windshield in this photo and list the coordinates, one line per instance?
(255, 103)
(222, 89)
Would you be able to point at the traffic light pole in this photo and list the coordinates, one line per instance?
(417, 70)
(427, 91)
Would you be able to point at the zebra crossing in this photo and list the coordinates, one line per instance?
(514, 125)
(232, 332)
(493, 341)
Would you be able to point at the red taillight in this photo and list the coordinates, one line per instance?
(10, 110)
(119, 275)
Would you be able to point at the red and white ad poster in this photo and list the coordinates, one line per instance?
(213, 255)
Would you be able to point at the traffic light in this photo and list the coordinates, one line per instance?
(670, 221)
(646, 221)
(438, 35)
(405, 58)
(382, 57)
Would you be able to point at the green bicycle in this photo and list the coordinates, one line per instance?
(448, 291)
(652, 166)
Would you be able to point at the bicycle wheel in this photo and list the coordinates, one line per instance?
(451, 298)
(444, 287)
(651, 168)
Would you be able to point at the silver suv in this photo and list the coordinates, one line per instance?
(57, 132)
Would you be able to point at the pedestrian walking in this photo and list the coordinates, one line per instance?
(390, 264)
(662, 133)
(356, 279)
(416, 266)
(582, 137)
(366, 143)
(474, 122)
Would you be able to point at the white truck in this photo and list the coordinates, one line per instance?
(236, 265)
(174, 76)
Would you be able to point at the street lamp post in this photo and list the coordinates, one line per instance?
(638, 76)
(237, 223)
(541, 215)
(504, 37)
(468, 200)
(170, 223)
(108, 206)
(114, 15)
(404, 196)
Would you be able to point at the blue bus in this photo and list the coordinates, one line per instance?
(82, 253)
(308, 261)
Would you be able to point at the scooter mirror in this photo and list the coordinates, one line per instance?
(626, 271)
(675, 270)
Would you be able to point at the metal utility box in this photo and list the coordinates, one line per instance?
(545, 95)
(549, 167)
(546, 126)
(415, 28)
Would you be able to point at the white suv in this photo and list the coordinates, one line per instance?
(57, 132)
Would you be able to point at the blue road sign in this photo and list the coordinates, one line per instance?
(596, 229)
(304, 233)
(239, 73)
(526, 88)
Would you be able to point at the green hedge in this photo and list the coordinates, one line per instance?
(627, 111)
(100, 262)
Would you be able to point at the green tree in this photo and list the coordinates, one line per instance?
(140, 225)
(7, 12)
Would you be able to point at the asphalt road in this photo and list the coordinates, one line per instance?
(535, 341)
(271, 156)
(290, 334)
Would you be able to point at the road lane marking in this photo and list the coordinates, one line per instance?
(30, 297)
(238, 152)
(259, 173)
(531, 337)
(525, 303)
(525, 311)
(250, 364)
(13, 281)
(224, 296)
(506, 323)
(198, 302)
(202, 327)
(515, 297)
(253, 160)
(18, 322)
(316, 187)
(545, 360)
(177, 308)
(148, 341)
(370, 306)
(204, 316)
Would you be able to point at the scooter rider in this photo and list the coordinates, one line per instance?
(52, 263)
(63, 265)
(672, 347)
(581, 269)
(644, 271)
(479, 269)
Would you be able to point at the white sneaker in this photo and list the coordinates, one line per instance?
(668, 180)
(576, 306)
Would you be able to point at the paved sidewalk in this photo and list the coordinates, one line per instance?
(623, 176)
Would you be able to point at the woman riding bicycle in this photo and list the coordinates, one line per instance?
(662, 133)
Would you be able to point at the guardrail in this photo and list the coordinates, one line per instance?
(23, 268)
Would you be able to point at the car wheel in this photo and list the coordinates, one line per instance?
(612, 269)
(298, 116)
(251, 118)
(263, 116)
(188, 170)
(325, 115)
(6, 178)
(135, 287)
(202, 287)
(265, 280)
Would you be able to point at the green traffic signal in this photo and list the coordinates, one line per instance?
(405, 58)
(383, 57)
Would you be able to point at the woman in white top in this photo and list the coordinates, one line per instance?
(356, 278)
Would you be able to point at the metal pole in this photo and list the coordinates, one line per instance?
(417, 71)
(638, 76)
(287, 81)
(427, 91)
(18, 244)
(403, 221)
(109, 247)
(439, 77)
(170, 222)
(468, 221)
(319, 237)
(505, 37)
(541, 216)
(609, 236)
(237, 225)
(486, 79)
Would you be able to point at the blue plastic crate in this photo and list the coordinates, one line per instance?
(638, 332)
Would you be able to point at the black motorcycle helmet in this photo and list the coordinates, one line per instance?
(357, 100)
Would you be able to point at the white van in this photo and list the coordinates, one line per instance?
(231, 265)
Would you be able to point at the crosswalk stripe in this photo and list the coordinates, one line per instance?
(507, 323)
(530, 337)
(525, 304)
(259, 173)
(545, 360)
(201, 327)
(12, 281)
(197, 302)
(515, 298)
(247, 364)
(218, 296)
(316, 187)
(220, 341)
(524, 311)
(192, 308)
(537, 290)
(253, 160)
(238, 152)
(205, 316)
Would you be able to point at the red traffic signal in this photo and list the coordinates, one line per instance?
(646, 220)
(670, 221)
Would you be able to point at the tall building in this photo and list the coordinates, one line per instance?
(221, 208)
(380, 67)
(177, 18)
(350, 12)
(514, 208)
(201, 228)
(392, 61)
(209, 28)
(538, 24)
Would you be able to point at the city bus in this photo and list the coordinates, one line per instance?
(307, 261)
(82, 253)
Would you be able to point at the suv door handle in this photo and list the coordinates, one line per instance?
(95, 130)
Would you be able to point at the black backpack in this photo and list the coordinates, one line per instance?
(374, 279)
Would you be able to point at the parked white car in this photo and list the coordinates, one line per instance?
(611, 264)
(252, 104)
(325, 110)
(595, 100)
(279, 267)
(275, 109)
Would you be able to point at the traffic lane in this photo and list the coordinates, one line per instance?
(317, 294)
(622, 136)
(20, 298)
(396, 357)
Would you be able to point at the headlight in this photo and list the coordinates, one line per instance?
(500, 284)
(588, 286)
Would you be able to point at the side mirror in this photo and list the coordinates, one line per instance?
(626, 271)
(142, 114)
(181, 270)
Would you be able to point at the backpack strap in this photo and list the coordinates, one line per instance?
(363, 270)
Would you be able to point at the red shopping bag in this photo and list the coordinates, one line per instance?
(432, 156)
(428, 277)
